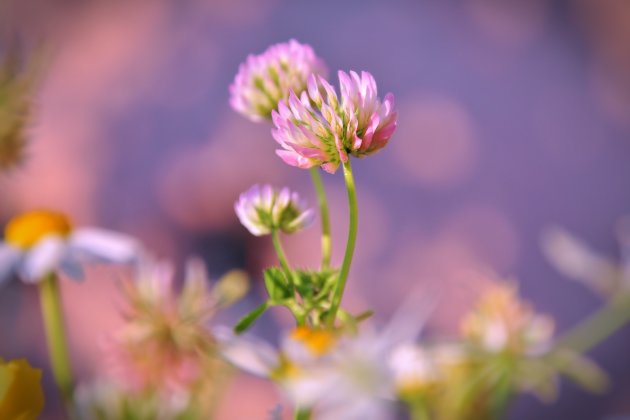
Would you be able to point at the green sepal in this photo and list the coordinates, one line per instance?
(315, 285)
(265, 217)
(364, 316)
(351, 322)
(276, 284)
(248, 320)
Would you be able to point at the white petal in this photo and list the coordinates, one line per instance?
(9, 258)
(42, 259)
(106, 245)
(409, 362)
(313, 386)
(408, 320)
(573, 258)
(246, 353)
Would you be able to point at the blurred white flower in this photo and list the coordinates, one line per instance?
(165, 344)
(414, 368)
(575, 259)
(501, 322)
(337, 374)
(106, 399)
(40, 242)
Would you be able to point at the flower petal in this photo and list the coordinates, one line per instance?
(44, 258)
(106, 245)
(247, 353)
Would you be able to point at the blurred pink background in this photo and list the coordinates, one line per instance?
(514, 115)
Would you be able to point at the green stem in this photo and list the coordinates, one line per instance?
(599, 326)
(324, 216)
(502, 398)
(284, 263)
(352, 237)
(302, 414)
(418, 411)
(298, 313)
(56, 336)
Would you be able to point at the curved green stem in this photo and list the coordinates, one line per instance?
(599, 326)
(56, 336)
(352, 238)
(284, 263)
(302, 414)
(324, 216)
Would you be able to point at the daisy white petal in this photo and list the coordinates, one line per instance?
(106, 245)
(247, 353)
(42, 259)
(43, 241)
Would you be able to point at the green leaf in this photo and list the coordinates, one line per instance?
(538, 376)
(363, 316)
(276, 285)
(582, 371)
(248, 320)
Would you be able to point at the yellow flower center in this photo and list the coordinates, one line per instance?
(318, 342)
(27, 229)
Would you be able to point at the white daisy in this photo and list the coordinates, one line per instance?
(338, 376)
(41, 242)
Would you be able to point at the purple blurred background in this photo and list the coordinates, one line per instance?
(514, 115)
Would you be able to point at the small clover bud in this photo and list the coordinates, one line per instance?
(263, 209)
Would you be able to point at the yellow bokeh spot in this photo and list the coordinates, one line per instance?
(21, 394)
(318, 342)
(410, 389)
(27, 229)
(286, 369)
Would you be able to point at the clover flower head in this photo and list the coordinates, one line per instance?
(375, 120)
(165, 344)
(40, 242)
(264, 209)
(319, 128)
(501, 322)
(309, 128)
(264, 80)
